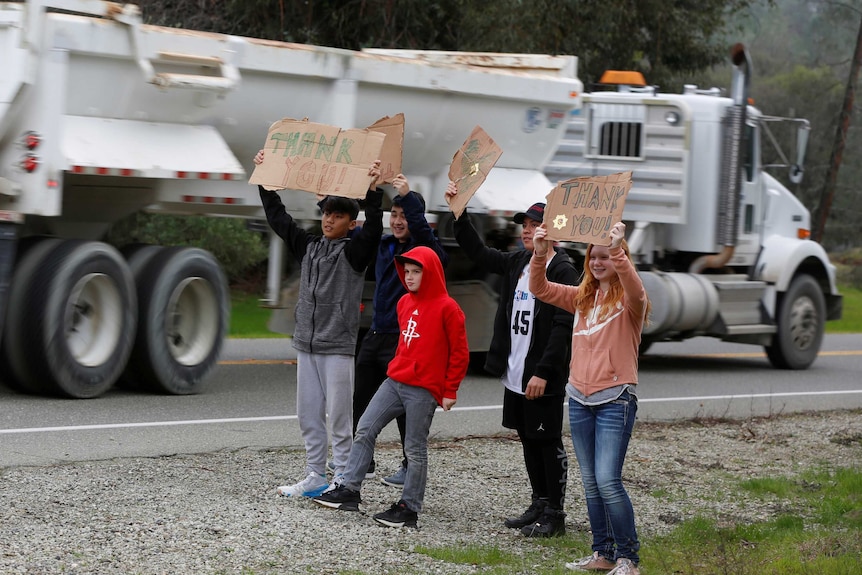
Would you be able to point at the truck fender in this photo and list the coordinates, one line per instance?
(782, 258)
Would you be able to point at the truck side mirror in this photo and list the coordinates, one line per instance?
(796, 170)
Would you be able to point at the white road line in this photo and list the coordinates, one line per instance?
(749, 396)
(473, 408)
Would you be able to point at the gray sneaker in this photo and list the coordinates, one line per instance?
(397, 479)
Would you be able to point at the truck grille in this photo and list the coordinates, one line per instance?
(620, 139)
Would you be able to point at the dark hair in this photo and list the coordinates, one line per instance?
(338, 204)
(396, 201)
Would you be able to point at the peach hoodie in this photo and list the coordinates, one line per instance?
(604, 351)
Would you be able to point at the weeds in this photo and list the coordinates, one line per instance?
(817, 530)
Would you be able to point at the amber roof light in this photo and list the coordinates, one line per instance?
(623, 77)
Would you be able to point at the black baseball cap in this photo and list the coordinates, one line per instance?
(405, 260)
(536, 212)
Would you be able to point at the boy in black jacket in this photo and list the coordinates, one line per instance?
(530, 353)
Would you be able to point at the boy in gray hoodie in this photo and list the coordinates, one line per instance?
(327, 321)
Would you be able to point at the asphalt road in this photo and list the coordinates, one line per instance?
(249, 401)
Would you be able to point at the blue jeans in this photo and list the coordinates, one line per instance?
(600, 436)
(391, 400)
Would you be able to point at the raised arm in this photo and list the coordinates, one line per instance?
(361, 249)
(280, 221)
(489, 259)
(557, 294)
(636, 296)
(414, 213)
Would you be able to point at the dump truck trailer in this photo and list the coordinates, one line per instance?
(102, 116)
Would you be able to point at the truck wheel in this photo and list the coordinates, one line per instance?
(14, 369)
(137, 257)
(183, 305)
(644, 346)
(801, 319)
(76, 319)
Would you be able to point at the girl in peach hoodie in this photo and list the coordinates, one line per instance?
(611, 308)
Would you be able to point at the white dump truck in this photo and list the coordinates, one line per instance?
(722, 246)
(102, 116)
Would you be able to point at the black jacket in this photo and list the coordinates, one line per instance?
(388, 288)
(550, 348)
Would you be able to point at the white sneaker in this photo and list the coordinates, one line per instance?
(594, 562)
(336, 481)
(624, 567)
(311, 486)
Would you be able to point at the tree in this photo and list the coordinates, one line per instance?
(802, 57)
(838, 147)
(658, 37)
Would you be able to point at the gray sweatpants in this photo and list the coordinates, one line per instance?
(324, 384)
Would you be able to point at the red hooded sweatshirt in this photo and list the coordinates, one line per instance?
(432, 349)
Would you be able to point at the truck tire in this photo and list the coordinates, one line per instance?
(801, 319)
(76, 320)
(644, 346)
(137, 257)
(14, 370)
(184, 308)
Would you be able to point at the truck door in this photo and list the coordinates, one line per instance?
(752, 200)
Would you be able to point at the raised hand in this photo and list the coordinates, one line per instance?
(451, 191)
(618, 234)
(401, 185)
(375, 172)
(540, 244)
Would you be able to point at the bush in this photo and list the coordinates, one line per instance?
(849, 267)
(237, 249)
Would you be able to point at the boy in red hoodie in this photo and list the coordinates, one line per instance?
(429, 364)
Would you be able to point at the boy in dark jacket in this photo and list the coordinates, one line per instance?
(327, 321)
(530, 352)
(429, 364)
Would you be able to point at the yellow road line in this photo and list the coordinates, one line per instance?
(258, 362)
(759, 354)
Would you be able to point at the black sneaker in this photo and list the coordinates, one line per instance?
(340, 498)
(533, 512)
(399, 515)
(550, 523)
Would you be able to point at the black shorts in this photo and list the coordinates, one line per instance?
(540, 418)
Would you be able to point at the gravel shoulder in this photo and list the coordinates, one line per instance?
(218, 512)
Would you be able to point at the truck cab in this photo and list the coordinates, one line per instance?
(723, 247)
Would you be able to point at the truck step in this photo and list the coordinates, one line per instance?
(751, 329)
(739, 301)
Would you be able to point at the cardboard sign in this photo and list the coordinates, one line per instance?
(316, 158)
(585, 209)
(393, 146)
(470, 167)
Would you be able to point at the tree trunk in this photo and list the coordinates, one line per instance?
(828, 192)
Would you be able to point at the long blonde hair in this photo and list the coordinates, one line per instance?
(585, 297)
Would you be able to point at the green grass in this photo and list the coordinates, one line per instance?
(247, 318)
(851, 318)
(819, 530)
